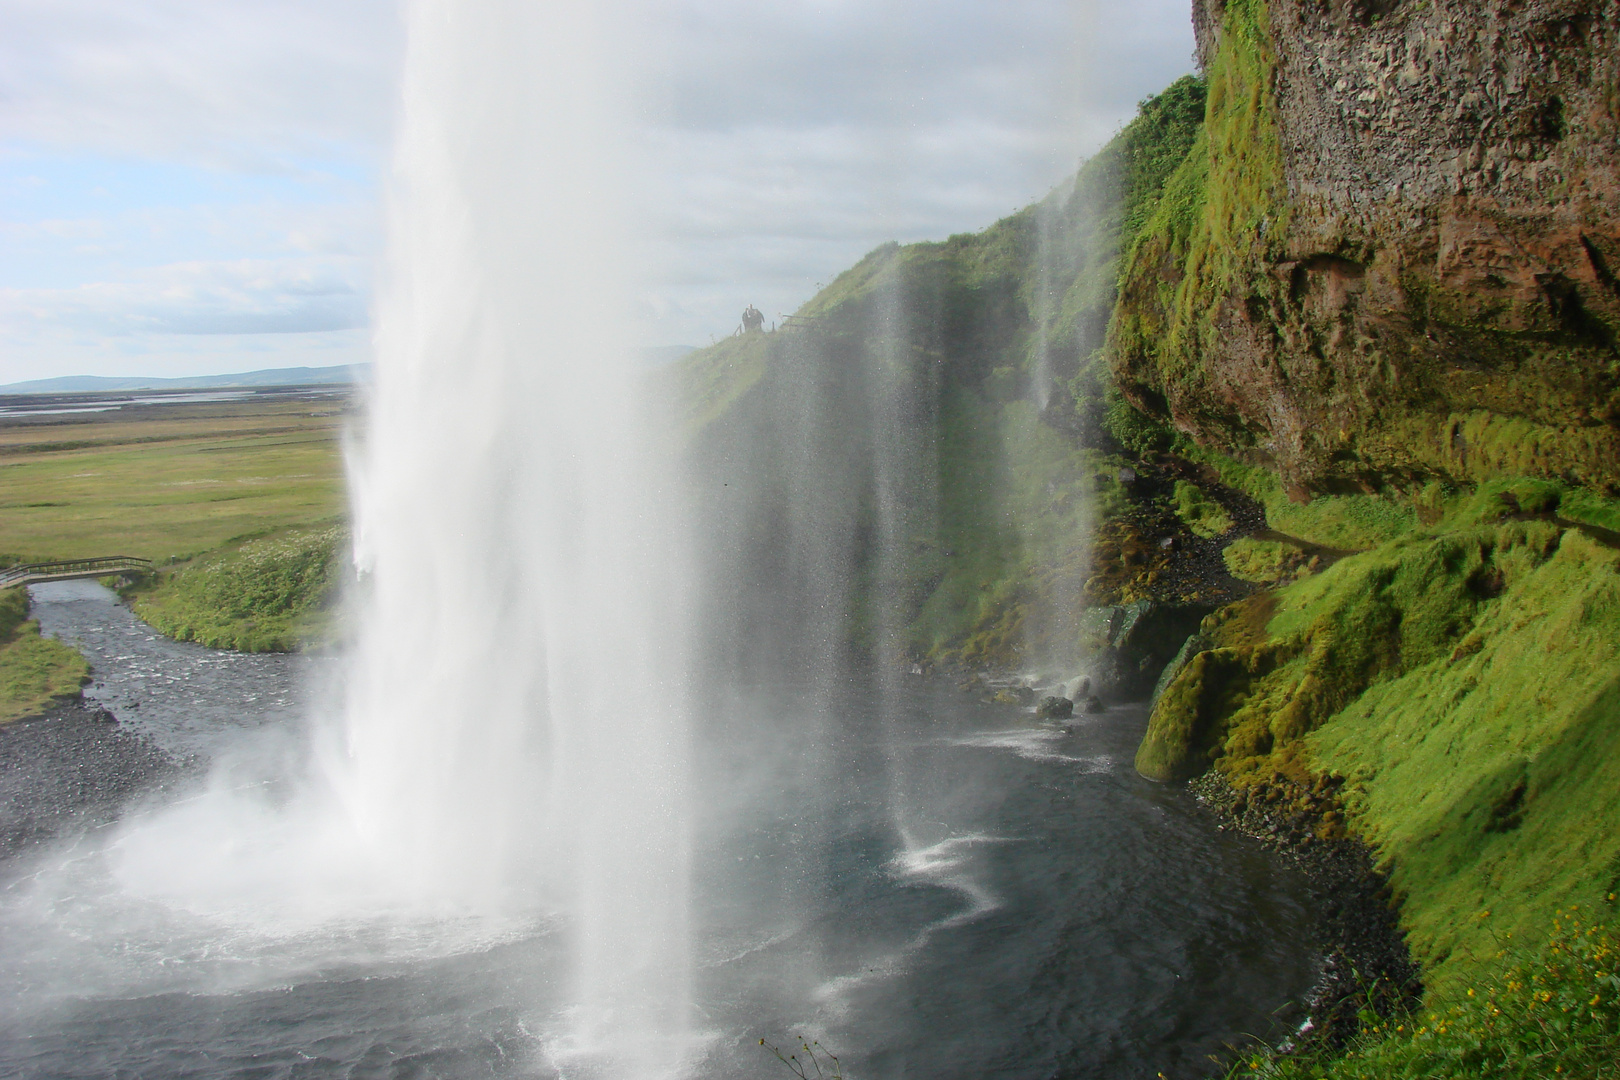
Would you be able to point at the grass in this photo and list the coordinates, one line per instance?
(238, 502)
(1464, 679)
(1204, 516)
(1219, 212)
(1265, 562)
(272, 594)
(34, 671)
(1479, 769)
(1340, 522)
(171, 482)
(710, 381)
(1536, 1011)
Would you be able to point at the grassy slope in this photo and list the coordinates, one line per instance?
(271, 594)
(1546, 1010)
(33, 670)
(980, 327)
(1465, 678)
(1459, 665)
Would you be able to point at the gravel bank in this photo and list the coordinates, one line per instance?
(71, 769)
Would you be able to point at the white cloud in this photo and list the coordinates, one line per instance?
(779, 141)
(785, 140)
(251, 85)
(242, 297)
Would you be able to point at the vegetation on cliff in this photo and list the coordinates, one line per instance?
(1222, 209)
(1534, 1011)
(1391, 256)
(1436, 651)
(966, 523)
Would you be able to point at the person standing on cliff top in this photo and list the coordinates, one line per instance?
(753, 319)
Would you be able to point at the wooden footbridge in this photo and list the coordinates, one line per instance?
(105, 566)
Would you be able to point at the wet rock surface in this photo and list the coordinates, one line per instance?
(1429, 268)
(75, 768)
(1055, 708)
(1365, 961)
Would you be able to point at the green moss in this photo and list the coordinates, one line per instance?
(1265, 562)
(1341, 522)
(1591, 508)
(1189, 724)
(34, 670)
(1215, 329)
(1473, 443)
(1203, 515)
(1345, 522)
(272, 594)
(1482, 773)
(1212, 222)
(1467, 683)
(1136, 432)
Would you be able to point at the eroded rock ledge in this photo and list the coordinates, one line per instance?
(1394, 253)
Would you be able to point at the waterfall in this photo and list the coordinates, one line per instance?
(515, 728)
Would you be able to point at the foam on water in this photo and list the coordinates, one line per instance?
(1035, 744)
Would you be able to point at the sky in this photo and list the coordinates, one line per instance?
(193, 187)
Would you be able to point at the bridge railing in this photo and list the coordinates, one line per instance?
(29, 573)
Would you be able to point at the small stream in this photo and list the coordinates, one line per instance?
(189, 699)
(951, 889)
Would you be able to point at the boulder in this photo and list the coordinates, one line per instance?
(1055, 708)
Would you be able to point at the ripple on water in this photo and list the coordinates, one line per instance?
(950, 892)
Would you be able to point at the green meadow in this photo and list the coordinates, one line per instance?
(240, 504)
(168, 482)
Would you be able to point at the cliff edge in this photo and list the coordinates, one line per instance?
(1393, 254)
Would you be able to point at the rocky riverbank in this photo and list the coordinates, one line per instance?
(74, 768)
(1366, 965)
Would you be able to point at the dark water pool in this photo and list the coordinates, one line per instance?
(926, 885)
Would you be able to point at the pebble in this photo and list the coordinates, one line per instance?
(1364, 953)
(71, 769)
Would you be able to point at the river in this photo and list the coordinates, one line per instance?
(948, 889)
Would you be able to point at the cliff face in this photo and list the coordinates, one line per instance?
(1394, 255)
(919, 457)
(1390, 259)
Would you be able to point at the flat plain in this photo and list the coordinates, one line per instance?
(169, 478)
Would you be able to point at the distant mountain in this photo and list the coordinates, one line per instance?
(295, 376)
(292, 376)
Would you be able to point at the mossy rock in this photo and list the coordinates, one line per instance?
(1187, 729)
(1202, 514)
(1267, 562)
